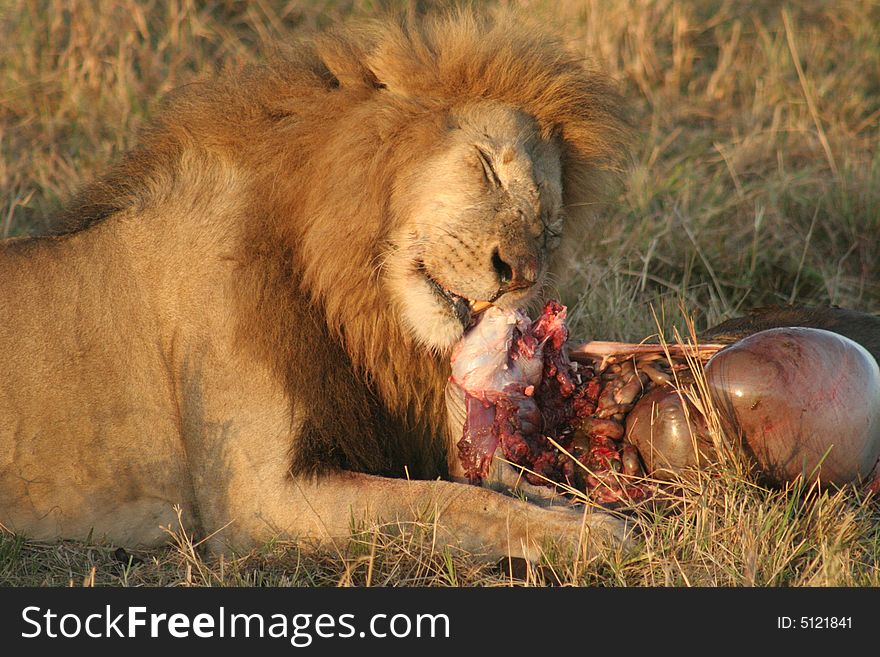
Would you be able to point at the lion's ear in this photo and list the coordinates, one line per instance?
(346, 63)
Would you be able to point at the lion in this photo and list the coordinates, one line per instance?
(249, 316)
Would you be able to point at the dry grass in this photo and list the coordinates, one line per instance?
(756, 179)
(719, 529)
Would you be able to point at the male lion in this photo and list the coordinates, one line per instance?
(250, 316)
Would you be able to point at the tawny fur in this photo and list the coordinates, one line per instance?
(218, 324)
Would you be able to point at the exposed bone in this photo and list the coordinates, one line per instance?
(608, 353)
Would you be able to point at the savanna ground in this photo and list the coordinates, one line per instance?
(755, 180)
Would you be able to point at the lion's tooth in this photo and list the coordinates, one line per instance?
(479, 306)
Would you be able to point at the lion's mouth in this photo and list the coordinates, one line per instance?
(467, 311)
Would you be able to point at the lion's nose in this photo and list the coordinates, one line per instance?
(516, 271)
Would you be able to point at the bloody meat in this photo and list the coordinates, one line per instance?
(523, 394)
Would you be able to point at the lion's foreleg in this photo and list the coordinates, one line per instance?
(329, 507)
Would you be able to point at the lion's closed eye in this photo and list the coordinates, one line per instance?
(488, 168)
